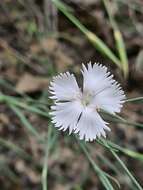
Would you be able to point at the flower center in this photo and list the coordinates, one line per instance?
(86, 98)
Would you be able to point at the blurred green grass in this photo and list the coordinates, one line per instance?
(40, 107)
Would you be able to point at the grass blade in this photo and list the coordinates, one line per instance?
(18, 103)
(133, 179)
(122, 52)
(120, 45)
(118, 119)
(10, 145)
(7, 171)
(135, 100)
(49, 143)
(45, 165)
(25, 122)
(93, 38)
(101, 174)
(125, 151)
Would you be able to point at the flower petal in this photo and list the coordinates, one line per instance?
(107, 93)
(95, 78)
(110, 99)
(64, 87)
(66, 115)
(90, 125)
(77, 111)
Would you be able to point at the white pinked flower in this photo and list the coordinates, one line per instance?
(76, 109)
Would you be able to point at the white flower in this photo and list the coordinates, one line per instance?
(76, 109)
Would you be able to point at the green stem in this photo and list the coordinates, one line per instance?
(45, 165)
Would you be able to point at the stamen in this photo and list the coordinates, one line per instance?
(86, 98)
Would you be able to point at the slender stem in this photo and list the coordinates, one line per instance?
(127, 171)
(134, 99)
(45, 165)
(51, 17)
(133, 179)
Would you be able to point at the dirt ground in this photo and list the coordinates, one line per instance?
(29, 56)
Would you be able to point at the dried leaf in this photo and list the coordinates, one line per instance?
(4, 119)
(31, 83)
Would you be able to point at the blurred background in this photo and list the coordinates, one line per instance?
(41, 38)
